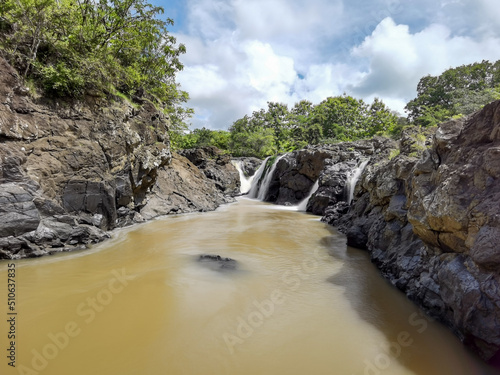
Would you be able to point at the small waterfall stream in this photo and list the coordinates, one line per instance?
(351, 183)
(254, 189)
(245, 182)
(264, 186)
(303, 204)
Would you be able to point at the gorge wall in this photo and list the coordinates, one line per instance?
(427, 210)
(71, 171)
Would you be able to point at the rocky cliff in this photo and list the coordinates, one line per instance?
(330, 165)
(428, 212)
(432, 225)
(71, 171)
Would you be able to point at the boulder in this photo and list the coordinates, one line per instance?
(216, 166)
(218, 263)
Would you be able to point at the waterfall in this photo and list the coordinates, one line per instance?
(353, 179)
(303, 204)
(264, 187)
(245, 182)
(254, 189)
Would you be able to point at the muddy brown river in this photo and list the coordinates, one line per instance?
(299, 302)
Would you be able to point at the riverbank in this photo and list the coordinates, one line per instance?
(71, 171)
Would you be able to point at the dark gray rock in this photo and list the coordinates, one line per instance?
(97, 198)
(180, 188)
(429, 218)
(296, 172)
(249, 165)
(216, 166)
(18, 213)
(217, 263)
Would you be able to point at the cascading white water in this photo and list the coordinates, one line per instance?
(303, 204)
(245, 182)
(353, 179)
(264, 186)
(254, 189)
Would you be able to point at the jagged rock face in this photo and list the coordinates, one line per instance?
(249, 165)
(431, 223)
(71, 171)
(296, 172)
(182, 187)
(216, 166)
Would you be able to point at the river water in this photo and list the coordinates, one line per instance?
(300, 302)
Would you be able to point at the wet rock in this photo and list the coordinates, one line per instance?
(18, 213)
(182, 187)
(216, 166)
(249, 165)
(296, 172)
(218, 263)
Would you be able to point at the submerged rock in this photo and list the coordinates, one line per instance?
(218, 263)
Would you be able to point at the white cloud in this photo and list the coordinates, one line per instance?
(203, 81)
(490, 16)
(243, 53)
(265, 71)
(272, 19)
(398, 59)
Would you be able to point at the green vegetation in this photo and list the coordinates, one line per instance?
(68, 48)
(394, 153)
(280, 129)
(199, 138)
(457, 92)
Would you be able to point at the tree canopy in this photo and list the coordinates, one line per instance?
(456, 92)
(280, 129)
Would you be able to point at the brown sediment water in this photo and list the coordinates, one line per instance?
(299, 302)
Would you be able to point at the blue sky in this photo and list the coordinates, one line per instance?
(244, 53)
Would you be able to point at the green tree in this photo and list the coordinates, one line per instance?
(457, 91)
(70, 47)
(342, 118)
(277, 119)
(381, 121)
(303, 130)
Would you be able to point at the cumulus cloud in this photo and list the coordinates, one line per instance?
(398, 59)
(243, 53)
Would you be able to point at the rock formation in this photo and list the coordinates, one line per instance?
(216, 166)
(296, 172)
(428, 213)
(249, 165)
(431, 224)
(71, 171)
